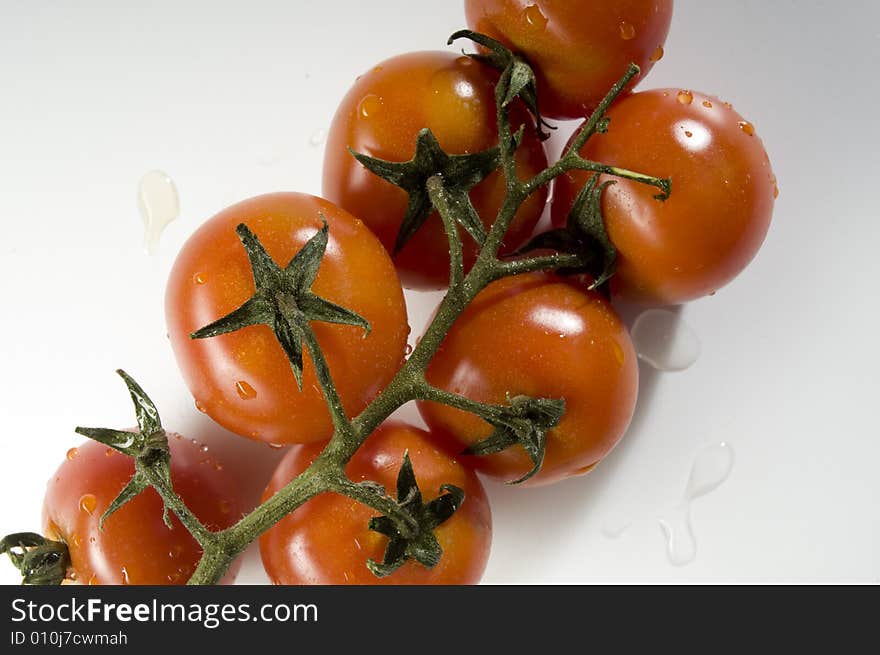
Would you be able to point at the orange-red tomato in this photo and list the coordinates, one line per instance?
(722, 198)
(578, 48)
(135, 546)
(327, 540)
(538, 335)
(382, 115)
(243, 379)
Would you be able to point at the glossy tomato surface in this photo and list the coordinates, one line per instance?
(543, 336)
(327, 541)
(135, 546)
(243, 379)
(578, 48)
(723, 192)
(382, 115)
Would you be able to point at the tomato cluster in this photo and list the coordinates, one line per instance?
(537, 335)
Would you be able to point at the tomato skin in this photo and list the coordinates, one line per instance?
(578, 48)
(539, 335)
(212, 277)
(381, 116)
(327, 541)
(135, 546)
(722, 198)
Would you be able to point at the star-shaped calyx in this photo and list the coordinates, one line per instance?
(283, 298)
(148, 446)
(525, 422)
(584, 234)
(422, 546)
(459, 174)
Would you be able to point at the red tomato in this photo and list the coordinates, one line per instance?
(722, 198)
(578, 48)
(327, 540)
(381, 116)
(538, 335)
(135, 546)
(243, 379)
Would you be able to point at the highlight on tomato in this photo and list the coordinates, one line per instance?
(328, 539)
(243, 379)
(578, 48)
(135, 546)
(538, 335)
(723, 192)
(381, 116)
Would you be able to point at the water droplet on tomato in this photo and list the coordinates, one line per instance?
(159, 205)
(627, 31)
(218, 466)
(88, 503)
(72, 453)
(619, 355)
(199, 278)
(125, 576)
(76, 541)
(664, 341)
(535, 18)
(408, 350)
(727, 105)
(685, 97)
(204, 448)
(657, 55)
(200, 407)
(707, 104)
(747, 127)
(369, 105)
(276, 446)
(688, 133)
(245, 390)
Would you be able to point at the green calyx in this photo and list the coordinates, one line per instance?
(41, 561)
(524, 422)
(459, 174)
(283, 299)
(584, 234)
(148, 446)
(517, 80)
(422, 545)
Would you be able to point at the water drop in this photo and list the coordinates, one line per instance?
(727, 105)
(199, 278)
(688, 133)
(125, 576)
(245, 390)
(408, 350)
(685, 97)
(88, 503)
(627, 31)
(200, 407)
(159, 205)
(707, 104)
(665, 341)
(204, 448)
(619, 355)
(72, 453)
(535, 18)
(657, 55)
(710, 469)
(276, 446)
(218, 466)
(369, 105)
(615, 524)
(747, 127)
(318, 137)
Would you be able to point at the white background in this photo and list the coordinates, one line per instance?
(228, 97)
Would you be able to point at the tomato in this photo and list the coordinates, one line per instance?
(578, 48)
(382, 115)
(723, 192)
(327, 540)
(135, 546)
(543, 336)
(243, 379)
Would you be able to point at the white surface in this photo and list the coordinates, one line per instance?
(229, 100)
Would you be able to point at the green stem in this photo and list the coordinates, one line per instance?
(341, 422)
(538, 263)
(440, 200)
(485, 411)
(175, 503)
